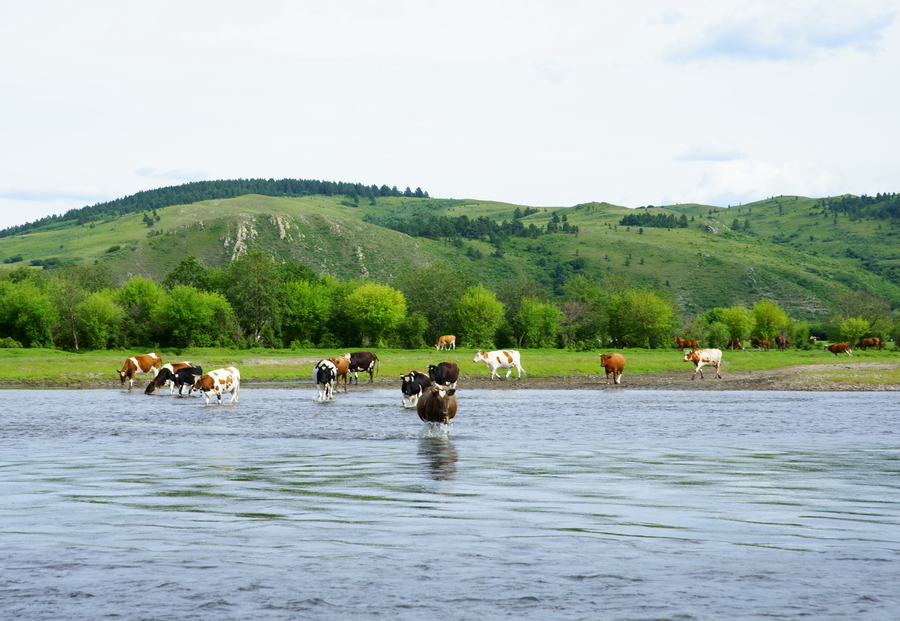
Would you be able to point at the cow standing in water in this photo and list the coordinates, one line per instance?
(166, 377)
(437, 405)
(324, 374)
(366, 362)
(146, 363)
(342, 369)
(219, 382)
(701, 357)
(412, 386)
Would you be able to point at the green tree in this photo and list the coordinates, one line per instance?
(853, 328)
(140, 297)
(536, 323)
(99, 320)
(435, 292)
(188, 317)
(583, 310)
(480, 313)
(256, 296)
(640, 318)
(718, 334)
(27, 313)
(189, 272)
(769, 319)
(376, 309)
(307, 312)
(740, 321)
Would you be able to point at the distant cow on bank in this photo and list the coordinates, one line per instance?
(839, 348)
(684, 343)
(502, 359)
(704, 357)
(218, 383)
(166, 377)
(324, 374)
(412, 385)
(781, 343)
(615, 364)
(146, 363)
(446, 342)
(761, 345)
(869, 342)
(342, 370)
(446, 373)
(364, 361)
(437, 405)
(734, 344)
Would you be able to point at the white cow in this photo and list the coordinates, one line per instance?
(504, 359)
(324, 374)
(701, 357)
(219, 382)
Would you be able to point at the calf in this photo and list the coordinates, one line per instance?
(146, 363)
(166, 377)
(504, 359)
(324, 374)
(446, 373)
(412, 385)
(615, 364)
(839, 348)
(701, 357)
(364, 361)
(342, 369)
(437, 405)
(446, 342)
(219, 382)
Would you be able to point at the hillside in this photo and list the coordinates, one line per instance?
(790, 249)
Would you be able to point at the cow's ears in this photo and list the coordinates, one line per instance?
(451, 392)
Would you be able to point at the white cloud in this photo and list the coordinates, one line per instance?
(711, 153)
(174, 174)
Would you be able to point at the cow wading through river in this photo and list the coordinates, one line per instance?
(437, 405)
(146, 363)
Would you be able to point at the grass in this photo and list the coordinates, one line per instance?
(46, 367)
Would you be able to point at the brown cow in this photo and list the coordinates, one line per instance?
(683, 343)
(764, 344)
(437, 404)
(701, 357)
(145, 363)
(342, 369)
(446, 342)
(615, 364)
(734, 344)
(869, 342)
(839, 348)
(781, 343)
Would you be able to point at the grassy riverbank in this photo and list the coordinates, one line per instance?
(772, 370)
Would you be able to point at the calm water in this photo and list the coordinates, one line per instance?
(615, 504)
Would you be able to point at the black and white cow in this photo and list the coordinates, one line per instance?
(364, 361)
(413, 385)
(324, 374)
(187, 377)
(445, 373)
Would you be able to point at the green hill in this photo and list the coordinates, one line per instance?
(797, 251)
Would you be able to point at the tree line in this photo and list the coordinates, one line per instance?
(196, 191)
(256, 301)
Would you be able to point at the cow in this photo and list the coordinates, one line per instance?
(146, 363)
(364, 361)
(342, 369)
(869, 342)
(218, 382)
(437, 405)
(324, 374)
(447, 341)
(412, 385)
(446, 373)
(839, 348)
(760, 345)
(781, 343)
(684, 343)
(186, 377)
(166, 376)
(504, 359)
(734, 344)
(615, 364)
(702, 357)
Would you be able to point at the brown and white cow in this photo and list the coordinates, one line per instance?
(502, 359)
(219, 382)
(166, 376)
(437, 404)
(341, 369)
(145, 363)
(684, 343)
(839, 348)
(613, 363)
(447, 341)
(704, 357)
(873, 341)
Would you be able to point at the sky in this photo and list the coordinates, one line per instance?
(533, 102)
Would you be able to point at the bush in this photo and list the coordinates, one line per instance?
(10, 343)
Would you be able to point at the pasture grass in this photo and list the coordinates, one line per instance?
(49, 367)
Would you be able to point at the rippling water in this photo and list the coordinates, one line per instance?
(535, 504)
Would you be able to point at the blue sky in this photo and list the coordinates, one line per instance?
(534, 102)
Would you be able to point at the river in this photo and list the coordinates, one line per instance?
(534, 504)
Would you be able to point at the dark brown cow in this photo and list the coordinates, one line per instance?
(839, 348)
(615, 364)
(781, 343)
(444, 373)
(342, 368)
(684, 343)
(437, 404)
(764, 344)
(734, 344)
(166, 374)
(145, 363)
(869, 342)
(366, 362)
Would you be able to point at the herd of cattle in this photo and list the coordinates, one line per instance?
(432, 395)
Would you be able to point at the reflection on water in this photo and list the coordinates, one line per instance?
(532, 505)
